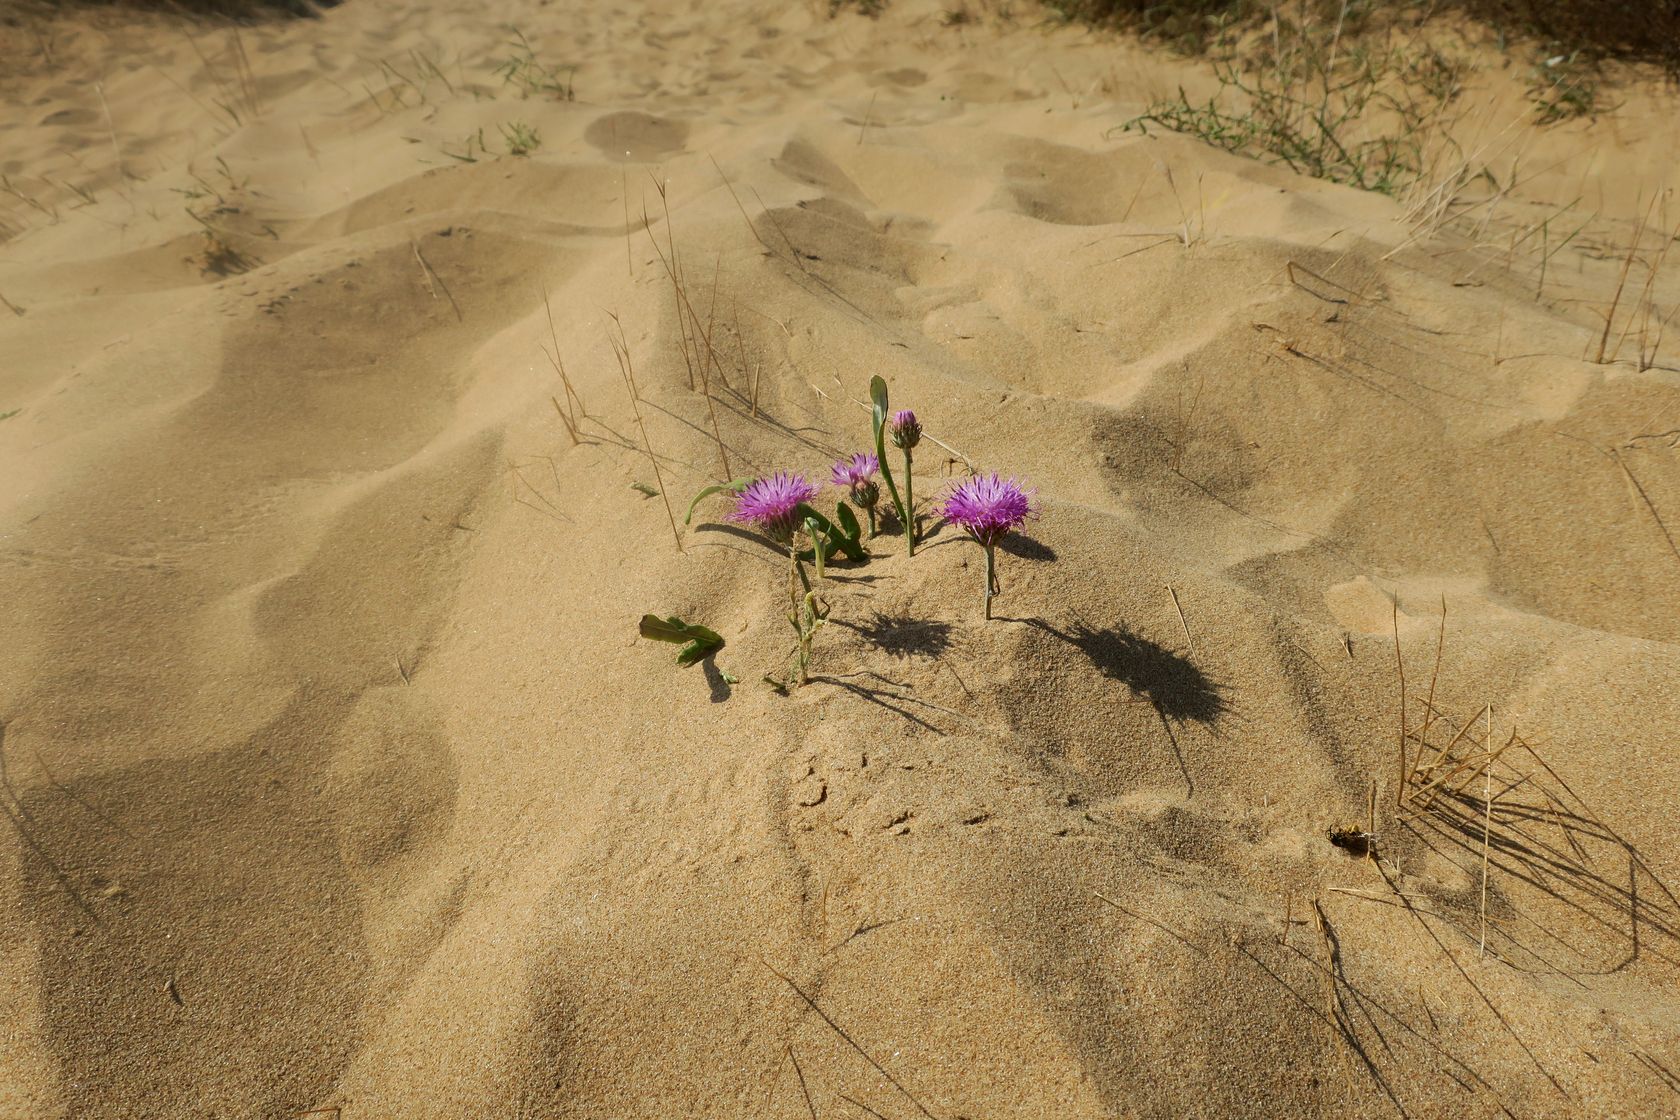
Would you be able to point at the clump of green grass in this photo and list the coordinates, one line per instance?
(465, 155)
(1591, 30)
(1312, 94)
(870, 8)
(1565, 87)
(1192, 26)
(532, 77)
(521, 138)
(218, 256)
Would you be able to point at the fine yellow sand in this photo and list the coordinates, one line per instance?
(336, 777)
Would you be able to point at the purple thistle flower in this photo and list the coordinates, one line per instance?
(906, 432)
(772, 504)
(859, 469)
(988, 507)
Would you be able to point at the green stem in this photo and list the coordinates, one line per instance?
(878, 391)
(909, 505)
(870, 510)
(991, 579)
(798, 570)
(819, 545)
(807, 630)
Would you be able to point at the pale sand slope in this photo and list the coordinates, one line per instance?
(335, 775)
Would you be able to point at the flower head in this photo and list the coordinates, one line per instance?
(859, 468)
(988, 507)
(858, 475)
(773, 503)
(905, 430)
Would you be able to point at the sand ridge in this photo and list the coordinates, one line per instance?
(337, 778)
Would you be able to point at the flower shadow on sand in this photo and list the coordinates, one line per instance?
(901, 635)
(1167, 681)
(1173, 685)
(1026, 548)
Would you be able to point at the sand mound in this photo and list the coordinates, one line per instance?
(336, 777)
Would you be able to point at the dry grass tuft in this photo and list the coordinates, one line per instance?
(1483, 797)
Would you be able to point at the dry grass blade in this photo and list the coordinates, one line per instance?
(574, 409)
(804, 1089)
(1650, 506)
(1335, 1024)
(1644, 301)
(433, 281)
(1181, 621)
(565, 420)
(1426, 772)
(1166, 929)
(1434, 678)
(1400, 667)
(861, 1107)
(752, 379)
(848, 1039)
(695, 341)
(1487, 826)
(711, 324)
(672, 270)
(1667, 1076)
(1621, 282)
(621, 351)
(752, 229)
(1465, 976)
(247, 77)
(1551, 848)
(624, 197)
(111, 131)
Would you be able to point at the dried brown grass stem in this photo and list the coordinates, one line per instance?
(626, 367)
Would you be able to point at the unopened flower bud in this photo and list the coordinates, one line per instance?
(906, 432)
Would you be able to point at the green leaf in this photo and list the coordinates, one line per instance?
(835, 539)
(878, 395)
(848, 520)
(694, 651)
(734, 486)
(699, 640)
(659, 629)
(822, 546)
(644, 488)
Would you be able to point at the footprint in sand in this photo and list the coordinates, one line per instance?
(632, 137)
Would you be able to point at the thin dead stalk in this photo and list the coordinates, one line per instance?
(1400, 666)
(1649, 505)
(848, 1039)
(433, 280)
(688, 325)
(621, 351)
(1487, 826)
(804, 1089)
(1621, 282)
(1181, 621)
(574, 409)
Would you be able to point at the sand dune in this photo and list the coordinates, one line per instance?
(336, 776)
